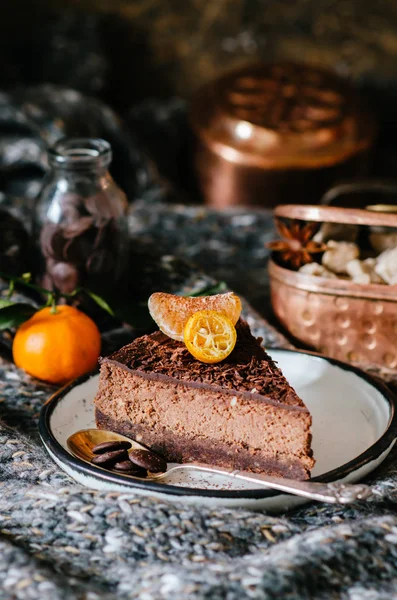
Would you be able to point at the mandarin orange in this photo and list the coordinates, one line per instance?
(57, 346)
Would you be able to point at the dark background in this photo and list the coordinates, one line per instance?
(129, 53)
(126, 50)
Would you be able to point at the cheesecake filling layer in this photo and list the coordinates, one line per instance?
(240, 413)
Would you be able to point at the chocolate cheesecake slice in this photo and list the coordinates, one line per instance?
(240, 413)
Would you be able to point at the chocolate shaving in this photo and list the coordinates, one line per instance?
(248, 368)
(77, 227)
(87, 244)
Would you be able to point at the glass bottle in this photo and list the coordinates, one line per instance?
(81, 213)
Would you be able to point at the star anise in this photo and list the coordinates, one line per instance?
(297, 247)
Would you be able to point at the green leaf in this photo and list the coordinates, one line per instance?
(100, 301)
(218, 288)
(23, 281)
(14, 314)
(5, 302)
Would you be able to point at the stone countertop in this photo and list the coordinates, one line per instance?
(62, 541)
(229, 245)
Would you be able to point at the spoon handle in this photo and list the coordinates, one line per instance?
(335, 492)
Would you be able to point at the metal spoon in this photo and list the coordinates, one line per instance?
(81, 443)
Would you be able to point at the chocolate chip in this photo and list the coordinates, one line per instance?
(64, 275)
(148, 460)
(77, 227)
(51, 241)
(127, 467)
(110, 458)
(109, 446)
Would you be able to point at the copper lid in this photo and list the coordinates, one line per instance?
(282, 116)
(337, 214)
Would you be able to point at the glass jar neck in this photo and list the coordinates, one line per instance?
(80, 154)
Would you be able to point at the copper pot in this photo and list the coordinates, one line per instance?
(342, 319)
(272, 133)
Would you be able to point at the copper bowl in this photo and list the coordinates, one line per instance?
(265, 133)
(352, 322)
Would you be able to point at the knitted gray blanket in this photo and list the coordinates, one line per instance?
(62, 541)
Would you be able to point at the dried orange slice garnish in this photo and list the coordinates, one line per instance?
(171, 312)
(209, 336)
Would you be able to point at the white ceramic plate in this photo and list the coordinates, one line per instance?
(354, 429)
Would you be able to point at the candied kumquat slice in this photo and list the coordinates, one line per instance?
(171, 312)
(209, 336)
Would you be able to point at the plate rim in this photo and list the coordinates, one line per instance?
(369, 455)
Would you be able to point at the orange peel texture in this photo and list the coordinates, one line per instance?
(171, 312)
(57, 347)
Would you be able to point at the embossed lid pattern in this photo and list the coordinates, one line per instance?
(338, 214)
(282, 115)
